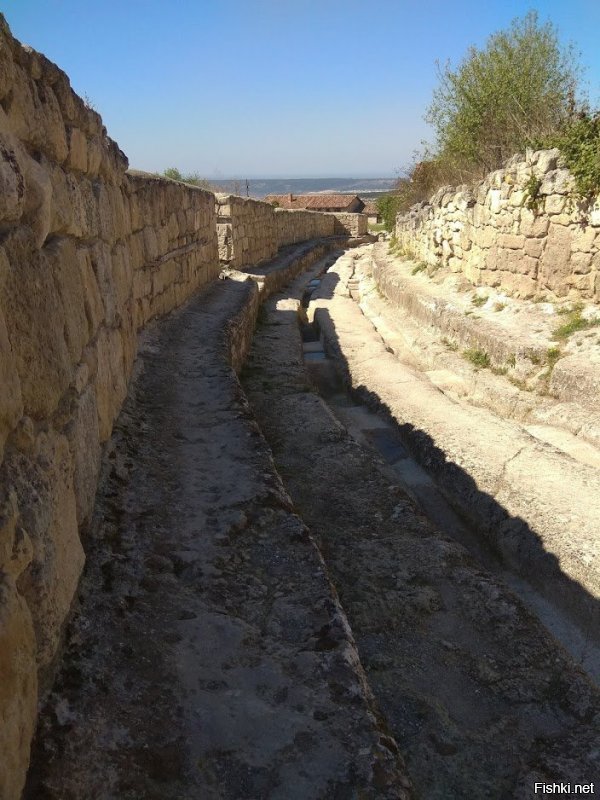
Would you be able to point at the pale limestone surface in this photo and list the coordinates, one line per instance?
(497, 235)
(538, 506)
(251, 231)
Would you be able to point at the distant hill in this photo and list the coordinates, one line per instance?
(259, 187)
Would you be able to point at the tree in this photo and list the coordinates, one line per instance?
(521, 87)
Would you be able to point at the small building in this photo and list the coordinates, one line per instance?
(341, 203)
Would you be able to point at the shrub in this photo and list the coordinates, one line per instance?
(521, 86)
(579, 143)
(479, 358)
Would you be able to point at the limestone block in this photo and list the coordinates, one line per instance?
(94, 155)
(151, 250)
(534, 247)
(78, 150)
(63, 263)
(92, 299)
(35, 116)
(121, 274)
(558, 181)
(35, 321)
(584, 239)
(12, 182)
(84, 442)
(37, 209)
(555, 204)
(581, 263)
(522, 286)
(11, 401)
(583, 283)
(545, 161)
(516, 198)
(511, 241)
(46, 498)
(561, 219)
(555, 261)
(110, 379)
(595, 214)
(18, 688)
(532, 225)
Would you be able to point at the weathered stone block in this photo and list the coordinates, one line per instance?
(511, 241)
(534, 247)
(18, 687)
(44, 489)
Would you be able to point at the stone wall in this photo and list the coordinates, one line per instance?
(251, 231)
(299, 226)
(350, 224)
(499, 235)
(88, 254)
(246, 231)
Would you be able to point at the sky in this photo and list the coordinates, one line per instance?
(274, 88)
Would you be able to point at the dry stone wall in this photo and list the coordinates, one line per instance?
(88, 254)
(354, 225)
(251, 231)
(522, 230)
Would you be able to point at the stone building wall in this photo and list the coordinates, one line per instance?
(498, 235)
(88, 254)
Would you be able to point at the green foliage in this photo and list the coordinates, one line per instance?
(521, 86)
(479, 358)
(420, 267)
(552, 356)
(479, 300)
(499, 306)
(575, 322)
(532, 191)
(579, 143)
(192, 178)
(388, 206)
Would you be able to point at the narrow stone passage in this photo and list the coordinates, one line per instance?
(481, 699)
(209, 656)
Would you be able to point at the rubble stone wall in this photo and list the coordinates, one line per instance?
(522, 230)
(300, 226)
(351, 224)
(88, 254)
(251, 231)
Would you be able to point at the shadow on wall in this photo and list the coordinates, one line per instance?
(510, 537)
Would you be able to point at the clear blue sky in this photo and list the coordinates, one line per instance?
(250, 88)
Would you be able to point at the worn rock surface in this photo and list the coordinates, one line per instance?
(473, 687)
(538, 506)
(209, 656)
(435, 322)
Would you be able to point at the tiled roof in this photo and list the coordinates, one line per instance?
(370, 207)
